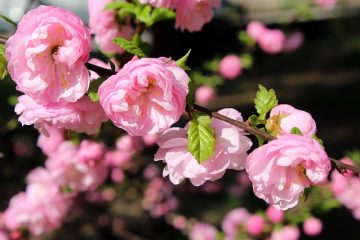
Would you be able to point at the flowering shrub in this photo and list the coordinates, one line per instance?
(134, 106)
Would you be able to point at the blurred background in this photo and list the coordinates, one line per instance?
(321, 77)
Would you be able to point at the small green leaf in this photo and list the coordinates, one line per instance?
(159, 14)
(93, 89)
(319, 140)
(245, 39)
(3, 63)
(212, 81)
(247, 61)
(264, 101)
(8, 20)
(296, 130)
(201, 138)
(93, 96)
(182, 61)
(129, 47)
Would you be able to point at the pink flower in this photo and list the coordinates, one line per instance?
(117, 175)
(41, 209)
(255, 29)
(284, 117)
(104, 25)
(203, 231)
(230, 152)
(255, 225)
(160, 3)
(3, 235)
(283, 168)
(233, 221)
(81, 168)
(274, 215)
(204, 95)
(230, 67)
(312, 226)
(326, 4)
(347, 189)
(150, 139)
(272, 41)
(193, 14)
(50, 144)
(47, 55)
(117, 158)
(146, 96)
(81, 116)
(294, 41)
(128, 143)
(286, 233)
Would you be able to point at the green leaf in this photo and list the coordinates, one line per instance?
(245, 39)
(3, 63)
(93, 89)
(201, 138)
(190, 96)
(159, 14)
(264, 101)
(212, 81)
(129, 47)
(8, 20)
(247, 61)
(182, 61)
(296, 130)
(93, 96)
(319, 140)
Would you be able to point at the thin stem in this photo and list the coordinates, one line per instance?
(340, 166)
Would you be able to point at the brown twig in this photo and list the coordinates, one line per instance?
(340, 166)
(99, 70)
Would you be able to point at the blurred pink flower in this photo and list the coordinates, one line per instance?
(272, 41)
(50, 144)
(146, 96)
(193, 14)
(255, 29)
(274, 215)
(286, 233)
(234, 221)
(47, 55)
(312, 226)
(294, 41)
(204, 95)
(104, 25)
(41, 209)
(284, 117)
(326, 4)
(230, 67)
(117, 175)
(81, 116)
(117, 158)
(281, 169)
(4, 235)
(255, 225)
(80, 168)
(203, 231)
(230, 152)
(128, 143)
(150, 139)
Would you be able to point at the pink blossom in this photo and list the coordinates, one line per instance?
(193, 14)
(204, 95)
(81, 168)
(294, 41)
(160, 3)
(286, 233)
(274, 215)
(233, 221)
(203, 231)
(284, 117)
(326, 4)
(230, 152)
(255, 30)
(179, 222)
(47, 55)
(128, 143)
(146, 96)
(81, 116)
(230, 67)
(104, 25)
(312, 226)
(347, 189)
(117, 158)
(255, 225)
(272, 41)
(281, 169)
(151, 171)
(50, 144)
(3, 235)
(117, 175)
(41, 209)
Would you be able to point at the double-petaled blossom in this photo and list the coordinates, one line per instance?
(104, 24)
(230, 152)
(47, 55)
(41, 208)
(283, 118)
(193, 14)
(204, 95)
(203, 231)
(233, 222)
(80, 116)
(49, 144)
(146, 96)
(281, 169)
(79, 168)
